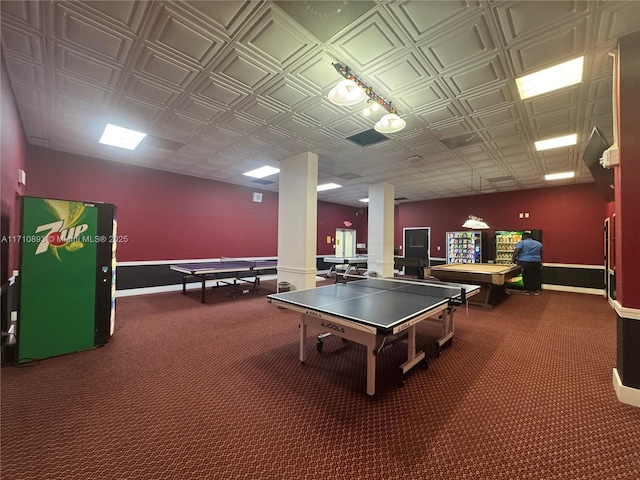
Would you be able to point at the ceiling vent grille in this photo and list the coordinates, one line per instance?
(368, 137)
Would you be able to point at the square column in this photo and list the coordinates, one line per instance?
(381, 229)
(298, 220)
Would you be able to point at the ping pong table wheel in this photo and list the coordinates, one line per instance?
(401, 381)
(424, 365)
(319, 345)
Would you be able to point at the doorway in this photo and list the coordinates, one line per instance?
(416, 246)
(345, 243)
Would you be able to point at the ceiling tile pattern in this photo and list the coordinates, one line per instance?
(226, 86)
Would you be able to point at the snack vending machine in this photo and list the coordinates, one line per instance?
(466, 247)
(67, 277)
(505, 242)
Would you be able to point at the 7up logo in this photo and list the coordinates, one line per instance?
(57, 236)
(64, 232)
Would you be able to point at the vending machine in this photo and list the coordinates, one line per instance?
(67, 277)
(466, 247)
(505, 242)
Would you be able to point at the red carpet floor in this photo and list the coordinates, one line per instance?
(215, 391)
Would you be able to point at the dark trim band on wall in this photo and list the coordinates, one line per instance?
(147, 274)
(573, 276)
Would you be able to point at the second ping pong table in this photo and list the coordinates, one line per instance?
(242, 275)
(348, 264)
(376, 313)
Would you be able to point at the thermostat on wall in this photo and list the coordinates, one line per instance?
(257, 197)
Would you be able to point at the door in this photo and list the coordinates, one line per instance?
(609, 260)
(345, 243)
(606, 258)
(416, 245)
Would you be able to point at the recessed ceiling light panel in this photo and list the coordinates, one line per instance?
(559, 176)
(327, 186)
(121, 137)
(556, 142)
(262, 172)
(552, 78)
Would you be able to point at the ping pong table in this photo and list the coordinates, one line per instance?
(243, 276)
(376, 313)
(354, 263)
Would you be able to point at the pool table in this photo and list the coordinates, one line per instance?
(492, 278)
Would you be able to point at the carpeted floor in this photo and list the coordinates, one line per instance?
(215, 391)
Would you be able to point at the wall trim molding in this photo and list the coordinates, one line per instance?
(627, 395)
(626, 312)
(566, 288)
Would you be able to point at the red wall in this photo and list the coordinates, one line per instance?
(332, 216)
(627, 175)
(571, 219)
(168, 217)
(165, 216)
(12, 159)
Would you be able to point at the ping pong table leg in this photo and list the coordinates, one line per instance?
(413, 357)
(204, 288)
(447, 330)
(303, 336)
(371, 369)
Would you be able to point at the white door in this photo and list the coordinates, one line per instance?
(345, 243)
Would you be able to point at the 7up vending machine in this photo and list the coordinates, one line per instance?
(67, 277)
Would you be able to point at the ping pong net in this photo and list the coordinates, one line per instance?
(247, 263)
(456, 293)
(237, 260)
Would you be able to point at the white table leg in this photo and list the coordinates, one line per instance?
(303, 336)
(371, 370)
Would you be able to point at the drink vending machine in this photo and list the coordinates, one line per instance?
(66, 277)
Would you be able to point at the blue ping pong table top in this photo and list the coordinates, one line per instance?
(380, 303)
(224, 266)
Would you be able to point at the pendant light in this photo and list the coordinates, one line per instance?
(353, 90)
(473, 222)
(346, 92)
(390, 123)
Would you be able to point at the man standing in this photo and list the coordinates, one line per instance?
(528, 254)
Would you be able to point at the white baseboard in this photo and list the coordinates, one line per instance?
(565, 288)
(628, 395)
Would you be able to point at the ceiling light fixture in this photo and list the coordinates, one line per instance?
(371, 107)
(121, 137)
(327, 186)
(550, 79)
(262, 172)
(389, 123)
(473, 222)
(559, 176)
(346, 93)
(556, 142)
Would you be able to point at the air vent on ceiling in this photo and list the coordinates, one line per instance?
(349, 176)
(507, 178)
(163, 143)
(463, 140)
(262, 181)
(368, 137)
(399, 199)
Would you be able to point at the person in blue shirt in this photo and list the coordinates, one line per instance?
(528, 254)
